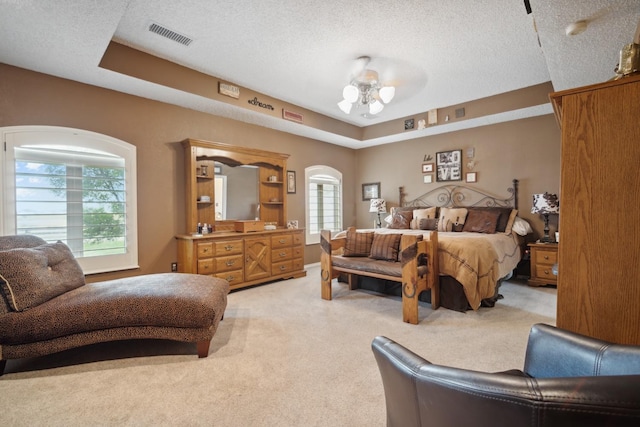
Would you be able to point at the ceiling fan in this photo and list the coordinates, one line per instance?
(366, 89)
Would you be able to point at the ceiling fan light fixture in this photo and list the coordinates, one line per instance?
(375, 107)
(345, 106)
(350, 93)
(387, 93)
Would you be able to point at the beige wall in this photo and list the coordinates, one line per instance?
(527, 149)
(156, 129)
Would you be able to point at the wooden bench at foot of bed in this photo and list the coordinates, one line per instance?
(417, 270)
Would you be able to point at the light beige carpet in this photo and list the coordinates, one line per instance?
(282, 357)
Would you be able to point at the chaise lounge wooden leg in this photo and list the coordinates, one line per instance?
(203, 348)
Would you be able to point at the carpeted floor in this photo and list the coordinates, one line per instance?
(281, 357)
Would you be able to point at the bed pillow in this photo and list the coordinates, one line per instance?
(503, 220)
(385, 246)
(481, 221)
(401, 220)
(512, 217)
(419, 214)
(450, 217)
(358, 243)
(428, 224)
(521, 227)
(32, 276)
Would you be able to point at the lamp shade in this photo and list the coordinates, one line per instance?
(545, 204)
(350, 93)
(378, 206)
(375, 107)
(387, 93)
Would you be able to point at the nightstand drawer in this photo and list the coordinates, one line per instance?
(544, 272)
(546, 257)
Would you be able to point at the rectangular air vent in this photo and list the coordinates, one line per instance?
(171, 35)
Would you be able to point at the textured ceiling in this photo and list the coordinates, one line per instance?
(437, 53)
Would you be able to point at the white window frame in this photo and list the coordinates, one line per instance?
(16, 136)
(314, 238)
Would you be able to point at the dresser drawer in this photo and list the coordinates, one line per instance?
(546, 257)
(298, 239)
(205, 250)
(282, 254)
(232, 277)
(281, 267)
(205, 266)
(228, 247)
(228, 263)
(298, 252)
(281, 241)
(298, 264)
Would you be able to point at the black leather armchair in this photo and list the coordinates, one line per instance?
(568, 380)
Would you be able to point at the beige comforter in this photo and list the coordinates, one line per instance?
(476, 260)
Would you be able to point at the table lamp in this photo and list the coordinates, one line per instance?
(378, 206)
(545, 204)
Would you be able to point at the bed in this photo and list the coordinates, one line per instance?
(480, 240)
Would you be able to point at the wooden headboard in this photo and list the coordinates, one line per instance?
(457, 195)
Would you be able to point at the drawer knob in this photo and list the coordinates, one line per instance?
(546, 257)
(230, 262)
(228, 247)
(283, 254)
(230, 278)
(281, 240)
(282, 268)
(205, 250)
(546, 272)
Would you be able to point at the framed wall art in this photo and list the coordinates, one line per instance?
(449, 165)
(427, 168)
(472, 176)
(291, 182)
(370, 191)
(427, 179)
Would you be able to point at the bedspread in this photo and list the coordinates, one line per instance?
(476, 260)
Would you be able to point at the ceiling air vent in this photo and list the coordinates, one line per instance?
(171, 35)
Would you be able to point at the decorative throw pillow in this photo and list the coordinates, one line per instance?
(32, 276)
(385, 247)
(428, 224)
(481, 221)
(512, 218)
(503, 219)
(401, 220)
(451, 216)
(358, 243)
(419, 214)
(521, 227)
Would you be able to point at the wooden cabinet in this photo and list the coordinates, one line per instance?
(598, 281)
(543, 258)
(244, 259)
(200, 159)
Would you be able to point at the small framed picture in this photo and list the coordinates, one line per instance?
(472, 176)
(292, 224)
(427, 168)
(427, 179)
(291, 182)
(370, 191)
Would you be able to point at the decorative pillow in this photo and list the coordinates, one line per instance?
(481, 221)
(428, 224)
(32, 276)
(521, 227)
(358, 243)
(512, 218)
(385, 246)
(451, 216)
(419, 214)
(401, 220)
(503, 219)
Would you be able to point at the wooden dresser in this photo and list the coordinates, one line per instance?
(543, 257)
(244, 259)
(599, 268)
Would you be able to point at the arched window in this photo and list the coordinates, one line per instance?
(323, 201)
(75, 186)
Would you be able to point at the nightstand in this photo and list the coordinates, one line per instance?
(543, 257)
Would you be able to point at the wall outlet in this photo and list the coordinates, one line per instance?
(174, 266)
